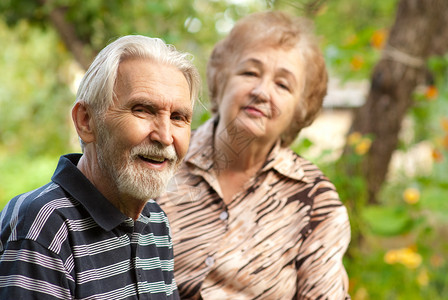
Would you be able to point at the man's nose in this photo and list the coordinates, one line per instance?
(161, 131)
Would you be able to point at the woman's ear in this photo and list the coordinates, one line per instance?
(82, 119)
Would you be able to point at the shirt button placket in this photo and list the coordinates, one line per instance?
(224, 215)
(210, 261)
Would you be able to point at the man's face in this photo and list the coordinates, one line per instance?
(146, 131)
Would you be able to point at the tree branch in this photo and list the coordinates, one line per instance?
(68, 35)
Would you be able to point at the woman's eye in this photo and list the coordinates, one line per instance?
(249, 73)
(283, 86)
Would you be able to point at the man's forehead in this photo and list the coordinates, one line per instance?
(157, 84)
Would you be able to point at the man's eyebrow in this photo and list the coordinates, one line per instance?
(151, 105)
(157, 105)
(186, 111)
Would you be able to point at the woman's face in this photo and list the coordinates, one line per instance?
(262, 92)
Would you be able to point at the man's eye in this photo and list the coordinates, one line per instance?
(178, 117)
(141, 110)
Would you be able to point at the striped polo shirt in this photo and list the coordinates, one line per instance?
(65, 240)
(282, 237)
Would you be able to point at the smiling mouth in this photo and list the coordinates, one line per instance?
(252, 110)
(152, 159)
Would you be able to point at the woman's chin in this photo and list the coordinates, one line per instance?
(252, 127)
(244, 129)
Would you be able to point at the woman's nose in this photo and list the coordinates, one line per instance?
(261, 92)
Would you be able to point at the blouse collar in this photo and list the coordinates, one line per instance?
(281, 159)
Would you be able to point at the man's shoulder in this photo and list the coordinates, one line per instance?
(35, 200)
(155, 212)
(29, 214)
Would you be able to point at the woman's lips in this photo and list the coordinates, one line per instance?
(254, 111)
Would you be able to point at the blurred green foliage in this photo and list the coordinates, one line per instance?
(34, 91)
(399, 249)
(35, 99)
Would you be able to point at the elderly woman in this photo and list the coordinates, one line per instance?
(250, 218)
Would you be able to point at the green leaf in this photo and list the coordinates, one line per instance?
(435, 199)
(387, 221)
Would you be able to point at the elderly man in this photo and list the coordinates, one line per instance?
(93, 232)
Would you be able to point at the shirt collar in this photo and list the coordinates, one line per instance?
(281, 159)
(72, 180)
(201, 150)
(286, 162)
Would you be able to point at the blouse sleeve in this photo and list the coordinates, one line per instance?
(321, 274)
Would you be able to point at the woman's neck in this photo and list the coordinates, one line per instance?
(242, 153)
(238, 156)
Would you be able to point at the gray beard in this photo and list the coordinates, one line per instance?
(131, 178)
(142, 183)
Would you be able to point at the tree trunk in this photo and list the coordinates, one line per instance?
(67, 32)
(68, 35)
(413, 38)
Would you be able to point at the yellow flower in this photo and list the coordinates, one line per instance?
(410, 258)
(423, 278)
(356, 62)
(391, 257)
(405, 256)
(411, 195)
(431, 92)
(378, 39)
(363, 146)
(437, 156)
(354, 138)
(361, 294)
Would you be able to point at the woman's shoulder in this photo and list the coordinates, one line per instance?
(293, 165)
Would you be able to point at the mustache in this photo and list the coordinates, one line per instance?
(155, 149)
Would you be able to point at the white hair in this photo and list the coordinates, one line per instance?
(97, 85)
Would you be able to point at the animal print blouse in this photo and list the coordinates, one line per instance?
(283, 237)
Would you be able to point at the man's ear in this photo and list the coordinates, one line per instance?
(82, 119)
